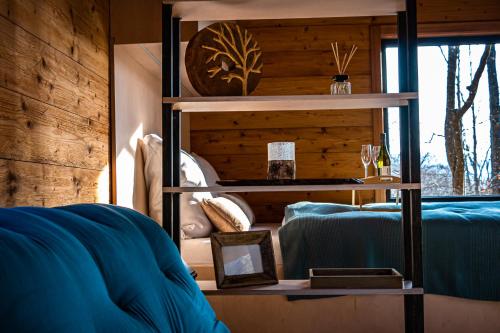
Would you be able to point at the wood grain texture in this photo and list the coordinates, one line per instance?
(35, 184)
(76, 28)
(445, 18)
(458, 10)
(54, 96)
(307, 85)
(223, 59)
(35, 69)
(37, 132)
(310, 63)
(314, 103)
(307, 140)
(311, 38)
(271, 120)
(309, 165)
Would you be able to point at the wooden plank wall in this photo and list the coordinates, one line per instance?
(297, 60)
(54, 108)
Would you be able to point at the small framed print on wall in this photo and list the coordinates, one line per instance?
(243, 259)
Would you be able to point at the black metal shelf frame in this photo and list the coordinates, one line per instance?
(409, 140)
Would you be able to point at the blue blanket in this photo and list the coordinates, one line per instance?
(461, 243)
(94, 268)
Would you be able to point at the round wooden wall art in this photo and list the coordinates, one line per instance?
(224, 59)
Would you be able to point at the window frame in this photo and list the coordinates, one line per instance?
(435, 41)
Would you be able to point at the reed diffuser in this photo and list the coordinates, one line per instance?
(340, 83)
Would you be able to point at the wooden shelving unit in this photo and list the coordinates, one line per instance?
(293, 188)
(275, 9)
(288, 103)
(407, 101)
(302, 288)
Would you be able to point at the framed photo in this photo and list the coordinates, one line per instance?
(243, 259)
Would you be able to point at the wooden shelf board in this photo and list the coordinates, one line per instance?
(207, 10)
(288, 102)
(302, 288)
(293, 188)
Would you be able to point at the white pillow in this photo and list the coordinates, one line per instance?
(211, 176)
(194, 222)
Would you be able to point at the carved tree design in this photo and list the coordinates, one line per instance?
(238, 47)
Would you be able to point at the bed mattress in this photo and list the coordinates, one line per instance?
(198, 251)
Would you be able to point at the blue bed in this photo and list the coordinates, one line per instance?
(461, 243)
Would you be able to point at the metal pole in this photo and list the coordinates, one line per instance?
(405, 145)
(414, 304)
(176, 131)
(414, 142)
(167, 120)
(416, 200)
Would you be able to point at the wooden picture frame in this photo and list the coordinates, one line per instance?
(243, 259)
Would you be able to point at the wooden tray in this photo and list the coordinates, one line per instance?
(381, 180)
(355, 278)
(271, 182)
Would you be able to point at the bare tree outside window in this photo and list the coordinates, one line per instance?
(494, 121)
(453, 129)
(460, 118)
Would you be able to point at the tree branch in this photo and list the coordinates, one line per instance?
(475, 82)
(230, 76)
(442, 53)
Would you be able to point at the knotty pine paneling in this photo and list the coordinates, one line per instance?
(297, 60)
(54, 102)
(307, 140)
(319, 63)
(262, 120)
(305, 85)
(309, 165)
(309, 37)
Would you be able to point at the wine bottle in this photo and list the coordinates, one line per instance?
(384, 159)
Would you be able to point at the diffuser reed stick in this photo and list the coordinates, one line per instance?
(346, 59)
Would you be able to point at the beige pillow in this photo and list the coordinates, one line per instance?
(245, 207)
(225, 215)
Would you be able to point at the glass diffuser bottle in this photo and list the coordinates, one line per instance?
(340, 85)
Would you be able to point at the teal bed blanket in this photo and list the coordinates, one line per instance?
(95, 269)
(461, 243)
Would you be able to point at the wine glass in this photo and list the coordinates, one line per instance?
(375, 152)
(366, 157)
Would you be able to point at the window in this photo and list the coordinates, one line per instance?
(466, 164)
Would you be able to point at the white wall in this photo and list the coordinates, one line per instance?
(137, 110)
(138, 107)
